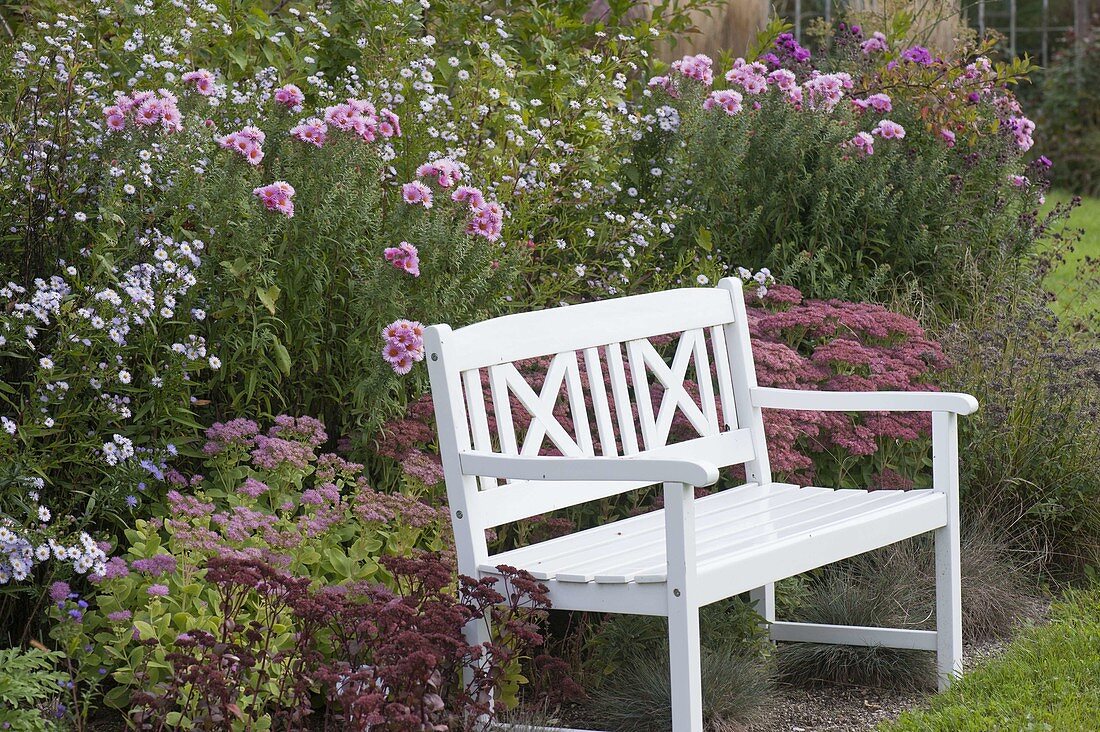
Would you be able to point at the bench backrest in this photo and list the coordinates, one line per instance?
(618, 406)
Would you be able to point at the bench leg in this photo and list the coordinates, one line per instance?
(686, 669)
(477, 633)
(763, 601)
(948, 606)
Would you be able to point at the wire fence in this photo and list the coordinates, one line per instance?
(1036, 28)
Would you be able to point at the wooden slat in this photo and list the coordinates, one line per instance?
(770, 562)
(479, 420)
(854, 635)
(864, 401)
(521, 499)
(565, 550)
(502, 407)
(605, 428)
(639, 375)
(725, 381)
(577, 407)
(675, 396)
(617, 564)
(620, 390)
(706, 385)
(646, 555)
(576, 327)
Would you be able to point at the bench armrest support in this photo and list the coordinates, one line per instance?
(531, 467)
(863, 401)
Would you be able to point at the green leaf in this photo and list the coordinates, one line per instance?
(269, 296)
(282, 357)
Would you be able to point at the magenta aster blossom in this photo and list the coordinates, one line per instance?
(277, 197)
(291, 97)
(888, 130)
(864, 143)
(696, 67)
(416, 192)
(313, 131)
(469, 194)
(727, 99)
(446, 172)
(948, 137)
(404, 345)
(877, 42)
(246, 142)
(405, 257)
(202, 80)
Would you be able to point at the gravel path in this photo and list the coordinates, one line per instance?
(833, 708)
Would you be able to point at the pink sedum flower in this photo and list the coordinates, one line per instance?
(277, 196)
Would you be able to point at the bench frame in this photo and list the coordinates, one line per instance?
(454, 355)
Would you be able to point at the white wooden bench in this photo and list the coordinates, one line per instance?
(693, 551)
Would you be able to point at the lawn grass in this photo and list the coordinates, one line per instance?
(1072, 294)
(1047, 679)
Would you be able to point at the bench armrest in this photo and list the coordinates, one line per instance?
(530, 467)
(863, 401)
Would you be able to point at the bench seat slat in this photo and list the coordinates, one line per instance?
(731, 529)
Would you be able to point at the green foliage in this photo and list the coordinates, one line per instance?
(28, 682)
(1033, 449)
(779, 185)
(1048, 679)
(1069, 115)
(314, 516)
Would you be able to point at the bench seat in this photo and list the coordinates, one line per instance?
(777, 528)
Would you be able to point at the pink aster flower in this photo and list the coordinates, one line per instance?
(948, 137)
(469, 194)
(864, 143)
(877, 42)
(203, 81)
(416, 192)
(888, 130)
(783, 79)
(313, 131)
(246, 142)
(404, 345)
(404, 257)
(696, 67)
(277, 197)
(291, 97)
(445, 171)
(727, 99)
(389, 124)
(879, 102)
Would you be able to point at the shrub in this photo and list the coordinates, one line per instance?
(1069, 112)
(380, 658)
(266, 496)
(29, 682)
(1033, 448)
(878, 170)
